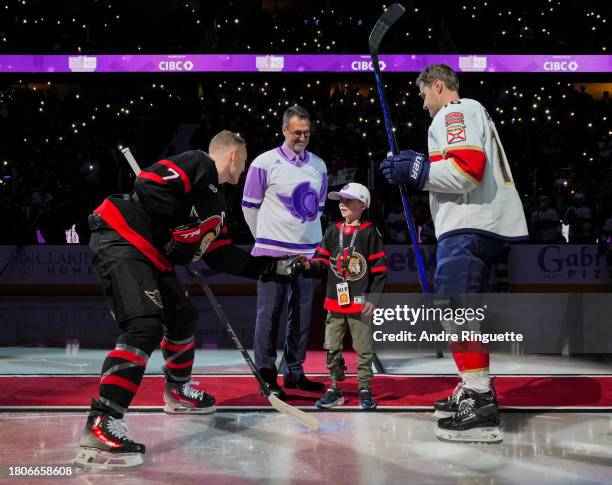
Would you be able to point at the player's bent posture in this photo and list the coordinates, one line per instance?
(475, 208)
(174, 215)
(352, 256)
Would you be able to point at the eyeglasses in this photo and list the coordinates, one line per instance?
(299, 134)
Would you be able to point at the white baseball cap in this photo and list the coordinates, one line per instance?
(352, 191)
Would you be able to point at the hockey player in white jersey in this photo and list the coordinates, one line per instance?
(475, 208)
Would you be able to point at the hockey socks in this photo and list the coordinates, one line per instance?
(178, 359)
(472, 359)
(122, 372)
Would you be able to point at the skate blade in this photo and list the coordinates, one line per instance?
(477, 435)
(188, 410)
(96, 459)
(443, 414)
(339, 402)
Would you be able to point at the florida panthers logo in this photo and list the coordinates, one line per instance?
(303, 203)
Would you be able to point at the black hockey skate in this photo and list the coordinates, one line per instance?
(447, 407)
(476, 420)
(105, 445)
(185, 399)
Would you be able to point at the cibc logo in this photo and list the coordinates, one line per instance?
(560, 66)
(366, 65)
(175, 66)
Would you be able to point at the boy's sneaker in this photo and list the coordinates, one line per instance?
(366, 399)
(447, 407)
(333, 397)
(477, 420)
(185, 399)
(105, 445)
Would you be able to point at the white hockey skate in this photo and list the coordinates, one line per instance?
(184, 399)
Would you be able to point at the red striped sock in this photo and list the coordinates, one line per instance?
(122, 372)
(178, 358)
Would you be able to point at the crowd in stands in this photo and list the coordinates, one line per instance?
(60, 154)
(299, 26)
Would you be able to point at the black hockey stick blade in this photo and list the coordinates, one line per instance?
(386, 20)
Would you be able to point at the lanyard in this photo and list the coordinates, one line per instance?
(344, 253)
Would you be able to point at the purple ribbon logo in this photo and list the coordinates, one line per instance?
(303, 203)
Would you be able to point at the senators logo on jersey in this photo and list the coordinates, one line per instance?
(211, 228)
(353, 270)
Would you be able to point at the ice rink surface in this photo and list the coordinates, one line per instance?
(350, 448)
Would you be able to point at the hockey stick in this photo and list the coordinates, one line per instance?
(384, 23)
(275, 402)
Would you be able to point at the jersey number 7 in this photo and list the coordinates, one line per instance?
(173, 176)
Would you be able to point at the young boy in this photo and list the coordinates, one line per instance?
(353, 257)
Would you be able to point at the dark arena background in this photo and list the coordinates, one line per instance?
(80, 81)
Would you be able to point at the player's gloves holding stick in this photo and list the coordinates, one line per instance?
(184, 246)
(409, 167)
(282, 270)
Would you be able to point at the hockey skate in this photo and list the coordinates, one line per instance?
(333, 397)
(185, 399)
(476, 420)
(105, 445)
(447, 407)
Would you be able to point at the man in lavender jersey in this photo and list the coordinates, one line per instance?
(284, 196)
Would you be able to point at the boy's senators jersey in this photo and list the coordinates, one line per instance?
(363, 266)
(169, 193)
(470, 183)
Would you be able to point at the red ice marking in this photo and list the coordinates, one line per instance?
(409, 392)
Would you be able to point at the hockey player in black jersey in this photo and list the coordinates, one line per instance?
(174, 215)
(352, 256)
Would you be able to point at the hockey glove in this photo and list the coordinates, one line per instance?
(409, 167)
(282, 270)
(184, 246)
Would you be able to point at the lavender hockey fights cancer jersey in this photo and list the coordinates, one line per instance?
(284, 197)
(470, 183)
